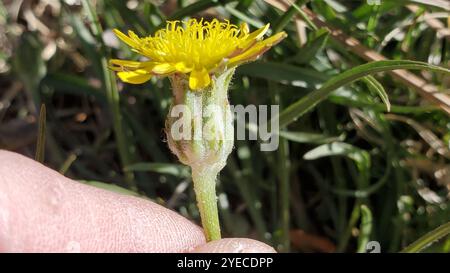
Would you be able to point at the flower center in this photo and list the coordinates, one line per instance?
(198, 44)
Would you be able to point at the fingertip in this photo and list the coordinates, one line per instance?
(234, 245)
(56, 214)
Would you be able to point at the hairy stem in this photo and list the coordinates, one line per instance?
(205, 192)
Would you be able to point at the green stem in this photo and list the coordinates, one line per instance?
(284, 167)
(205, 190)
(284, 194)
(428, 239)
(365, 229)
(243, 184)
(351, 223)
(40, 145)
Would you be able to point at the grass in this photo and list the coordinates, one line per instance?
(347, 171)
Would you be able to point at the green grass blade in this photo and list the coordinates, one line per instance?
(315, 44)
(375, 86)
(244, 17)
(304, 137)
(196, 7)
(361, 157)
(365, 229)
(302, 106)
(67, 163)
(112, 95)
(305, 17)
(111, 187)
(397, 109)
(428, 239)
(281, 72)
(162, 168)
(40, 146)
(286, 18)
(70, 84)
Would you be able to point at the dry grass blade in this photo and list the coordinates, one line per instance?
(435, 24)
(427, 135)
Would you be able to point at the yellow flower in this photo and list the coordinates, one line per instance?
(195, 48)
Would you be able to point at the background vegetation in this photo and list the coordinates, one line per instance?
(347, 171)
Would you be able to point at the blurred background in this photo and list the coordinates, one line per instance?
(346, 173)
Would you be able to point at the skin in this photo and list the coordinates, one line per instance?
(43, 211)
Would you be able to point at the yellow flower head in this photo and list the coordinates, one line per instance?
(197, 48)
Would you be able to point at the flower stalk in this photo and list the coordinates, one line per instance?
(205, 192)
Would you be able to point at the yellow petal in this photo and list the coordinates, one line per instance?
(129, 41)
(256, 50)
(126, 65)
(133, 77)
(163, 68)
(199, 79)
(257, 34)
(182, 67)
(253, 38)
(133, 35)
(243, 30)
(119, 62)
